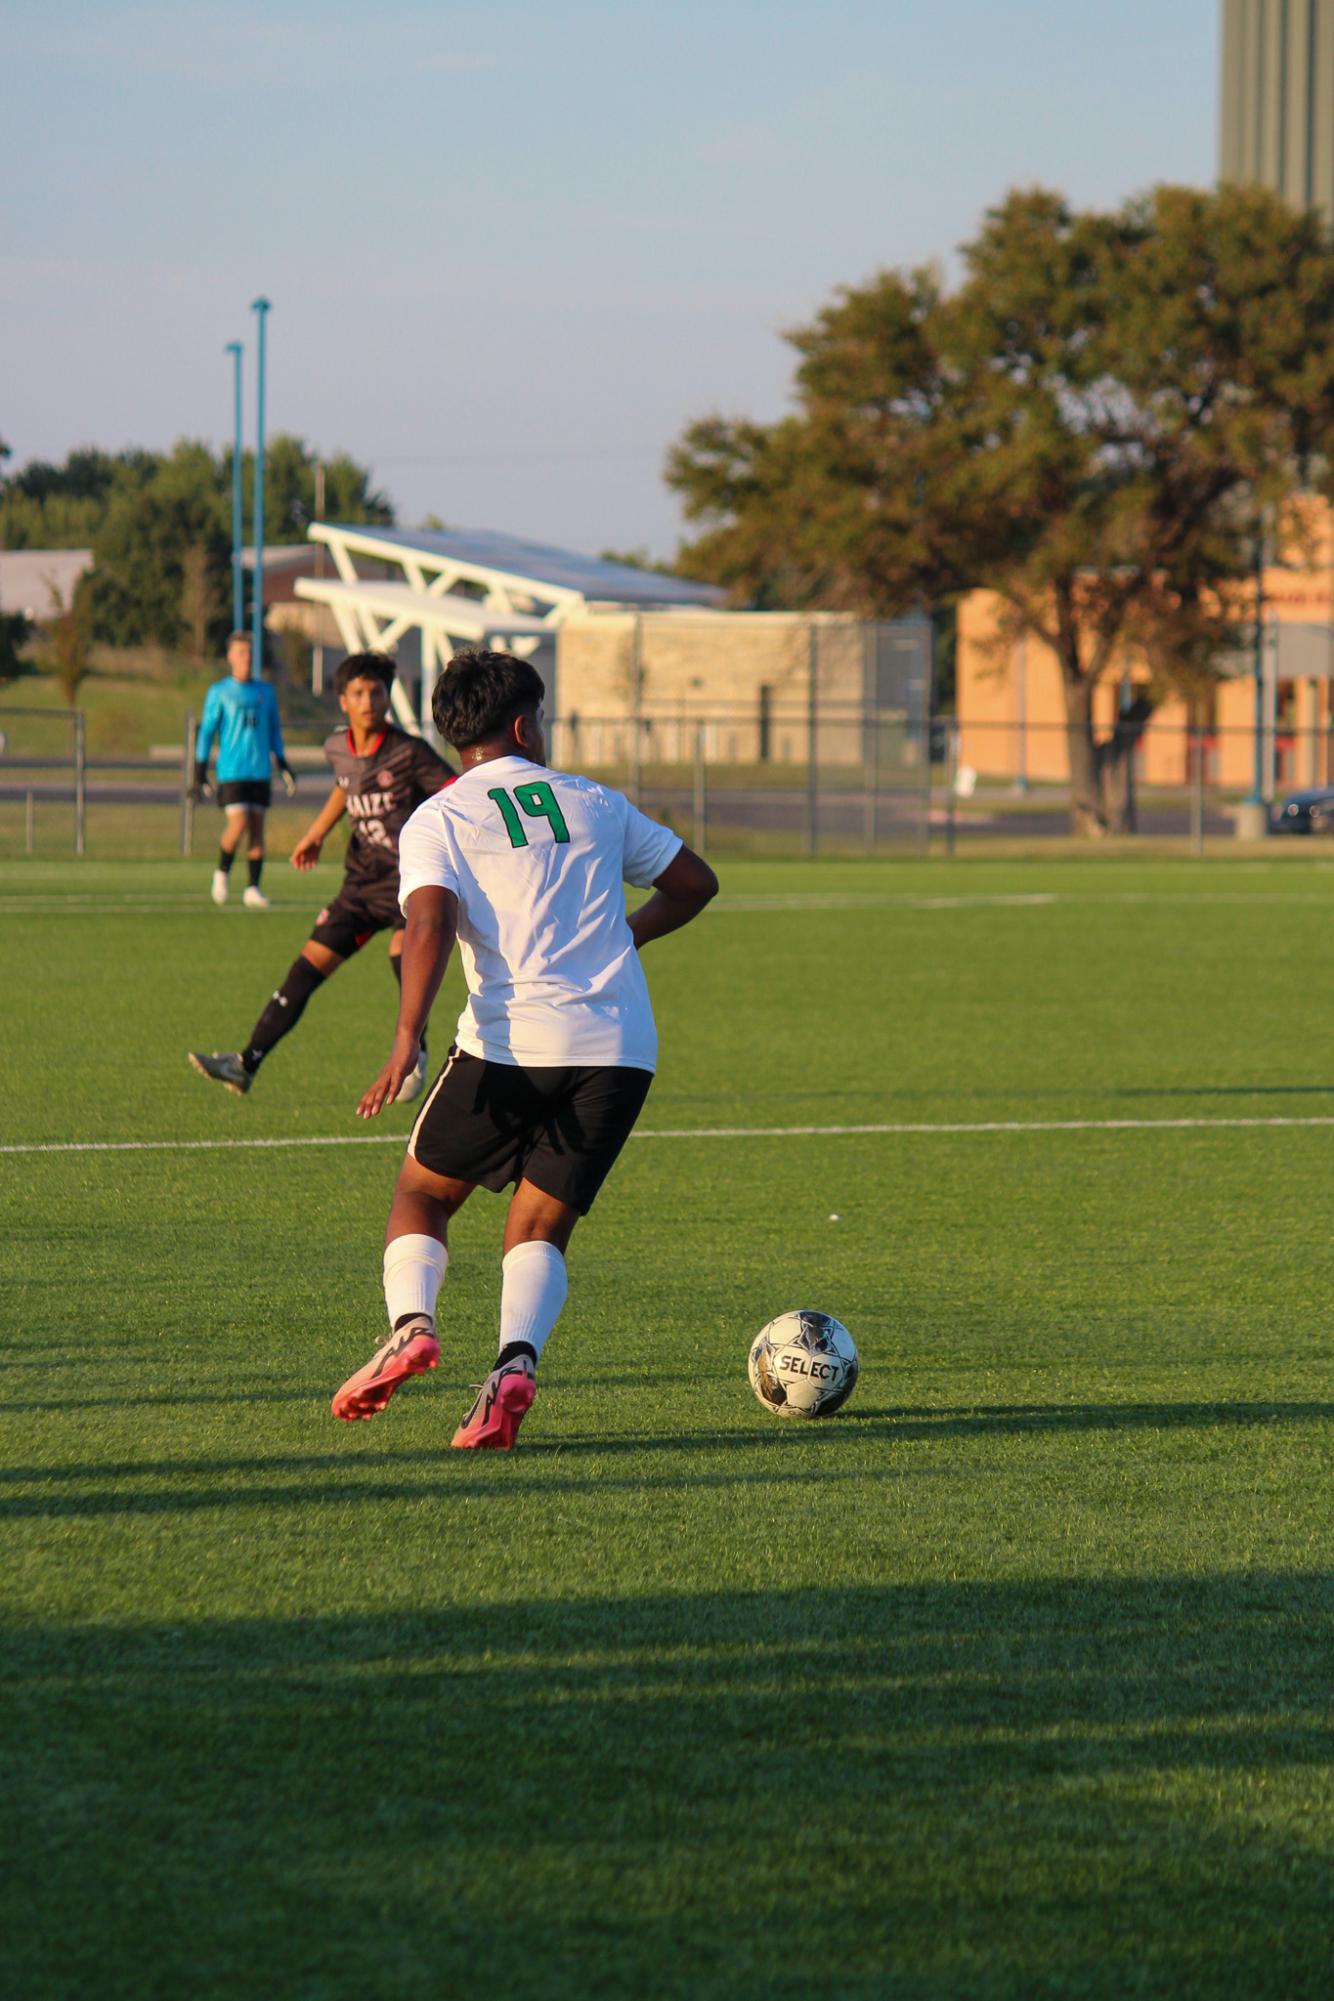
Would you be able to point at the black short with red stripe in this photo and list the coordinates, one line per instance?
(357, 912)
(560, 1128)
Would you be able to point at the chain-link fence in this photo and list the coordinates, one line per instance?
(822, 745)
(43, 779)
(785, 734)
(1003, 780)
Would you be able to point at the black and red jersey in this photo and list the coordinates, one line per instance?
(383, 788)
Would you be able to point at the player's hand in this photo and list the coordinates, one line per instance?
(402, 1062)
(201, 789)
(306, 852)
(288, 778)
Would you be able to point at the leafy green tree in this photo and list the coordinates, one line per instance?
(139, 553)
(1089, 426)
(15, 631)
(46, 506)
(290, 487)
(67, 639)
(637, 559)
(203, 600)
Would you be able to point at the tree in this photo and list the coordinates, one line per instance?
(67, 633)
(15, 631)
(139, 553)
(203, 601)
(45, 506)
(289, 490)
(1089, 426)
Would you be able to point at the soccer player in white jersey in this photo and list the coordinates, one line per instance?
(555, 1050)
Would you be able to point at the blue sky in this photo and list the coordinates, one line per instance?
(512, 249)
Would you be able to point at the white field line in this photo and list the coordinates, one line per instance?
(898, 1130)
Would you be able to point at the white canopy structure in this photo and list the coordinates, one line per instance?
(437, 590)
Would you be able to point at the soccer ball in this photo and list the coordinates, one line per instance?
(803, 1365)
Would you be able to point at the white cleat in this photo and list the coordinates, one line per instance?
(255, 899)
(415, 1082)
(218, 887)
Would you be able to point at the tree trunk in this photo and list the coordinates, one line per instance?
(1101, 801)
(1088, 814)
(1116, 766)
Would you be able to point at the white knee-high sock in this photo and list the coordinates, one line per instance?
(533, 1286)
(413, 1269)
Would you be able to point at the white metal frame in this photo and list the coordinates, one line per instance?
(372, 613)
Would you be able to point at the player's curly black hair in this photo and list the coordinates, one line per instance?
(364, 667)
(480, 693)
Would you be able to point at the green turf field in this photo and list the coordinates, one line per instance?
(1012, 1680)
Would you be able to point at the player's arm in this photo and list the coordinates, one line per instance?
(679, 893)
(208, 730)
(307, 850)
(277, 748)
(433, 918)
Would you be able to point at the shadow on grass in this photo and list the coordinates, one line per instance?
(340, 1475)
(1085, 1787)
(135, 1400)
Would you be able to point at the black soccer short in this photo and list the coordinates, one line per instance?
(561, 1129)
(245, 792)
(359, 910)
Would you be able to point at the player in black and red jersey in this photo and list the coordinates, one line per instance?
(381, 777)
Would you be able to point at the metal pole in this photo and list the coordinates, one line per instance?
(1270, 713)
(187, 780)
(636, 703)
(317, 654)
(1127, 755)
(30, 821)
(870, 743)
(701, 804)
(951, 780)
(1258, 780)
(234, 349)
(812, 741)
(259, 307)
(1196, 740)
(80, 785)
(1021, 716)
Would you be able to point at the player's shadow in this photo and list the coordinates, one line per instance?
(768, 1452)
(905, 1423)
(1055, 1778)
(166, 1399)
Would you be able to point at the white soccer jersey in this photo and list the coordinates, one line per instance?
(538, 860)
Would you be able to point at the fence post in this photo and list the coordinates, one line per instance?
(80, 785)
(1197, 787)
(700, 799)
(812, 745)
(636, 704)
(187, 783)
(951, 780)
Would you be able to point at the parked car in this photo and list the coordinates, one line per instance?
(1309, 812)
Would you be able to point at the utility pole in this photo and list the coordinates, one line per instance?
(234, 349)
(260, 307)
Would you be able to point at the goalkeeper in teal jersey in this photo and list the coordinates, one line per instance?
(241, 715)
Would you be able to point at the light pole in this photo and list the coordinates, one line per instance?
(260, 307)
(233, 348)
(1253, 812)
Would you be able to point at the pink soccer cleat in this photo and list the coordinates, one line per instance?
(502, 1403)
(410, 1352)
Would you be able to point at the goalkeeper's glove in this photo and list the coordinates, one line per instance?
(202, 788)
(289, 779)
